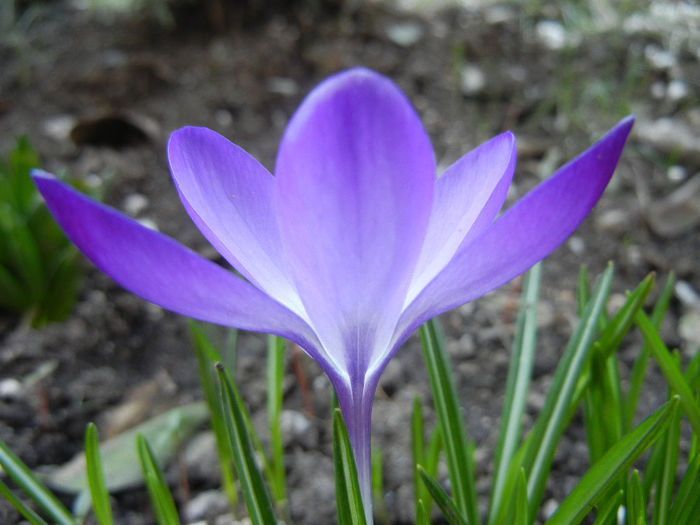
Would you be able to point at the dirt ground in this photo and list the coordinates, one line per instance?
(98, 94)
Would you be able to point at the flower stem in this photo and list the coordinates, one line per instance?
(356, 407)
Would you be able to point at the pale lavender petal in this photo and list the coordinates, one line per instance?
(467, 198)
(355, 182)
(529, 231)
(230, 197)
(164, 272)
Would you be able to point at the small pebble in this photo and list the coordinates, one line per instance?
(223, 117)
(687, 295)
(10, 389)
(677, 90)
(472, 80)
(659, 58)
(550, 506)
(676, 173)
(405, 34)
(551, 34)
(283, 86)
(577, 245)
(135, 204)
(148, 223)
(206, 505)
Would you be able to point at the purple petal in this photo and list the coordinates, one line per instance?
(467, 198)
(230, 197)
(164, 272)
(529, 231)
(355, 181)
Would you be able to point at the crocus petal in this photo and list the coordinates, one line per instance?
(230, 197)
(467, 198)
(529, 231)
(355, 176)
(163, 271)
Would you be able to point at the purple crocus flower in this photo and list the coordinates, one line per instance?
(352, 244)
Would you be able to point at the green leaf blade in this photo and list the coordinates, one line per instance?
(456, 445)
(158, 490)
(611, 466)
(255, 495)
(28, 482)
(448, 507)
(95, 477)
(347, 487)
(519, 373)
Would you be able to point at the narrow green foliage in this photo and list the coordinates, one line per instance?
(505, 513)
(95, 477)
(454, 435)
(207, 356)
(603, 475)
(381, 515)
(32, 517)
(161, 497)
(607, 512)
(275, 377)
(448, 507)
(636, 504)
(640, 364)
(604, 413)
(557, 410)
(603, 405)
(583, 290)
(422, 517)
(255, 495)
(665, 484)
(431, 458)
(619, 325)
(39, 276)
(669, 368)
(652, 471)
(519, 373)
(347, 488)
(32, 487)
(417, 448)
(522, 514)
(688, 493)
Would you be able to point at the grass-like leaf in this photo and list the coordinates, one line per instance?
(347, 488)
(623, 320)
(32, 487)
(667, 479)
(256, 498)
(158, 490)
(598, 480)
(275, 376)
(381, 515)
(670, 370)
(640, 364)
(207, 356)
(95, 477)
(32, 517)
(522, 514)
(557, 410)
(636, 504)
(454, 435)
(607, 513)
(417, 450)
(448, 507)
(688, 493)
(422, 517)
(519, 373)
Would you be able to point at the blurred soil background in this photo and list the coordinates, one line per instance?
(98, 86)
